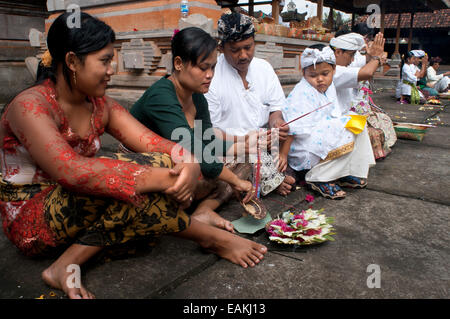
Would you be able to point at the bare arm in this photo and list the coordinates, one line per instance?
(284, 151)
(32, 122)
(134, 135)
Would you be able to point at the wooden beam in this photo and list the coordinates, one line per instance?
(330, 19)
(275, 10)
(383, 10)
(410, 31)
(320, 9)
(397, 36)
(251, 8)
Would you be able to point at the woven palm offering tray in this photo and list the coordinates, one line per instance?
(445, 95)
(306, 227)
(411, 131)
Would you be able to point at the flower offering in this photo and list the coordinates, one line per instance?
(304, 228)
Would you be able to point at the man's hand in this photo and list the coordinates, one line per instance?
(376, 48)
(276, 121)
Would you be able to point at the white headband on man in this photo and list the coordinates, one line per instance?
(313, 56)
(350, 41)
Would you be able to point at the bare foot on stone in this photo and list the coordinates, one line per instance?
(208, 216)
(285, 187)
(236, 249)
(57, 277)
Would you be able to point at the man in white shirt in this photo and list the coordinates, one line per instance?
(346, 78)
(439, 82)
(245, 93)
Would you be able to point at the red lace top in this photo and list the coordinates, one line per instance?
(37, 145)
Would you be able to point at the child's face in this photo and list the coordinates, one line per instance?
(321, 76)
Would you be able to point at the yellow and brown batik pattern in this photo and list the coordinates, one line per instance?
(66, 217)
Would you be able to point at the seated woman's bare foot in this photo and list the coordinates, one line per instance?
(208, 216)
(56, 276)
(236, 249)
(285, 187)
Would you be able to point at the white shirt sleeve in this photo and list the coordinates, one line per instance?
(432, 76)
(359, 60)
(409, 73)
(275, 97)
(215, 109)
(345, 77)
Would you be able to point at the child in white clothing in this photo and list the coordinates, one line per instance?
(323, 141)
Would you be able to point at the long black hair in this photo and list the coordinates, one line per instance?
(405, 58)
(92, 35)
(192, 43)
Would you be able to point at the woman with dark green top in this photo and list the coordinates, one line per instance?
(160, 110)
(175, 108)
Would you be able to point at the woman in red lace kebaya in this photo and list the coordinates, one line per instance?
(54, 192)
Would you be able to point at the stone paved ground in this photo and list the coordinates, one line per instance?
(400, 222)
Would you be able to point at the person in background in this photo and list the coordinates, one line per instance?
(381, 129)
(441, 82)
(407, 91)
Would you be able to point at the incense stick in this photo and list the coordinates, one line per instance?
(320, 107)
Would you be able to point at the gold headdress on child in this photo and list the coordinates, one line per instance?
(46, 59)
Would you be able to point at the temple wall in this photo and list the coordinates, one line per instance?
(16, 20)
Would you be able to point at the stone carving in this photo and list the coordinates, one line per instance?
(271, 53)
(139, 56)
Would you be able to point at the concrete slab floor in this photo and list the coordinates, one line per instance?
(400, 222)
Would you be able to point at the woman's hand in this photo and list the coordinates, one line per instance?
(185, 185)
(245, 186)
(261, 138)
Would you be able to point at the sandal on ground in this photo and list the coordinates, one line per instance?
(352, 182)
(255, 207)
(326, 190)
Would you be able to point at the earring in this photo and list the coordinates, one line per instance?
(75, 77)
